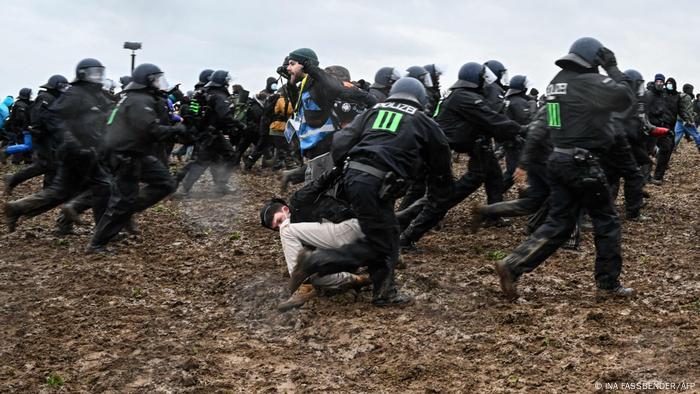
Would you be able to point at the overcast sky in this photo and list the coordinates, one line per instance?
(250, 38)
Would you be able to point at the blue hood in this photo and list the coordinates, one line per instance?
(8, 101)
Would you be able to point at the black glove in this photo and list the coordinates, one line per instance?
(606, 58)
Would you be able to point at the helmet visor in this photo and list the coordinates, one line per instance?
(159, 82)
(505, 78)
(489, 76)
(94, 74)
(395, 75)
(427, 80)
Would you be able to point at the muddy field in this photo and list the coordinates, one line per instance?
(189, 306)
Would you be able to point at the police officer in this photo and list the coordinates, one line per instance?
(134, 128)
(19, 122)
(382, 146)
(384, 78)
(535, 153)
(45, 136)
(213, 149)
(579, 106)
(469, 123)
(80, 113)
(521, 108)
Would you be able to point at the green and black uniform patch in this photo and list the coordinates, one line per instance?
(387, 121)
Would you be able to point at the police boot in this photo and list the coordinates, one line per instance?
(303, 294)
(477, 218)
(507, 280)
(99, 249)
(8, 184)
(618, 291)
(386, 294)
(12, 214)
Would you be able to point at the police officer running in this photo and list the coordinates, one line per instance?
(579, 105)
(133, 130)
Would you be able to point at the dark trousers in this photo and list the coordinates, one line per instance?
(533, 198)
(570, 195)
(483, 168)
(127, 197)
(619, 162)
(663, 158)
(214, 152)
(378, 250)
(77, 173)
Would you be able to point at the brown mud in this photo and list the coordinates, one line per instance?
(189, 306)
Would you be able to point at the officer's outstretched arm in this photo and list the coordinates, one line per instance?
(537, 138)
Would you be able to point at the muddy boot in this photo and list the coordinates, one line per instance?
(248, 163)
(7, 180)
(389, 296)
(301, 272)
(70, 214)
(408, 246)
(303, 294)
(99, 249)
(618, 291)
(507, 280)
(477, 219)
(11, 216)
(222, 189)
(132, 227)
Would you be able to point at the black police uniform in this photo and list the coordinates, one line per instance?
(520, 108)
(391, 137)
(213, 148)
(620, 161)
(536, 151)
(45, 141)
(81, 114)
(579, 106)
(133, 129)
(17, 124)
(469, 123)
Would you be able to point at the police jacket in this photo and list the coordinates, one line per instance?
(520, 108)
(44, 132)
(313, 203)
(82, 110)
(220, 115)
(579, 108)
(465, 116)
(538, 144)
(19, 117)
(394, 136)
(134, 126)
(495, 97)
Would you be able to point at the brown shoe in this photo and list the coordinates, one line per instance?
(507, 281)
(359, 281)
(303, 294)
(300, 273)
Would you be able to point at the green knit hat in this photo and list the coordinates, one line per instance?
(304, 54)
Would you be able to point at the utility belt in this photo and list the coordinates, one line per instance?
(392, 186)
(593, 174)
